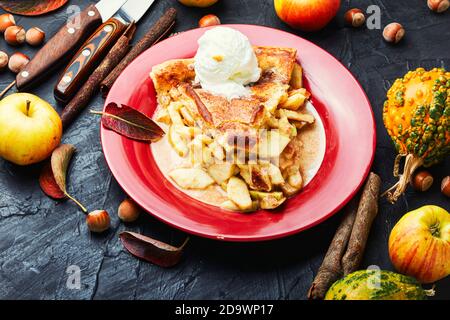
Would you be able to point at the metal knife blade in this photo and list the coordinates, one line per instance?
(134, 10)
(108, 8)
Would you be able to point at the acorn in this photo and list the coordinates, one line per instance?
(208, 21)
(355, 18)
(422, 181)
(445, 186)
(393, 32)
(4, 59)
(6, 20)
(128, 211)
(15, 35)
(98, 221)
(35, 36)
(17, 61)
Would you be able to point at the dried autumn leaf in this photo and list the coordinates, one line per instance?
(151, 250)
(60, 160)
(48, 183)
(130, 123)
(54, 174)
(31, 7)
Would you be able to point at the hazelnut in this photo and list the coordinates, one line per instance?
(393, 32)
(355, 18)
(209, 20)
(15, 35)
(17, 61)
(6, 20)
(422, 181)
(35, 36)
(438, 6)
(3, 60)
(445, 186)
(98, 221)
(128, 211)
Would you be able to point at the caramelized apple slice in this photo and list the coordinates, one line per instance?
(297, 77)
(162, 115)
(221, 172)
(268, 201)
(260, 179)
(177, 142)
(173, 110)
(187, 117)
(296, 116)
(275, 175)
(296, 180)
(238, 193)
(272, 144)
(230, 205)
(191, 178)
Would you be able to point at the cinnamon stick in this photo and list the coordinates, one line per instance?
(367, 211)
(91, 86)
(161, 28)
(347, 247)
(331, 268)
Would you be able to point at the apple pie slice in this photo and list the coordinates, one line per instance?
(246, 146)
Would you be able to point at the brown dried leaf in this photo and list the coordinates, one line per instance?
(53, 176)
(151, 250)
(31, 7)
(130, 123)
(60, 160)
(48, 183)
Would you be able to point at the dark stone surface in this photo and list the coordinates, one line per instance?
(40, 238)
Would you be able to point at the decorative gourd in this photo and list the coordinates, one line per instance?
(377, 285)
(417, 117)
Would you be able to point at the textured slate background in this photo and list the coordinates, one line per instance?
(40, 238)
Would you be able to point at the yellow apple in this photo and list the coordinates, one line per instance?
(30, 129)
(198, 3)
(419, 244)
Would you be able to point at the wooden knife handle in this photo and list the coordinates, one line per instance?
(58, 49)
(87, 59)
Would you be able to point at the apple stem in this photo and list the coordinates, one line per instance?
(435, 230)
(77, 202)
(28, 106)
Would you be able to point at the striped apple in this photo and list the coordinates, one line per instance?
(307, 15)
(419, 244)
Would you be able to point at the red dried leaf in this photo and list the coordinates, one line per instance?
(130, 123)
(31, 7)
(48, 183)
(151, 250)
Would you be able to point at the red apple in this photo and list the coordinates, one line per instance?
(307, 15)
(419, 244)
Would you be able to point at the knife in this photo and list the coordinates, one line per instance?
(66, 41)
(96, 47)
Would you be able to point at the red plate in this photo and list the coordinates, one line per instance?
(338, 98)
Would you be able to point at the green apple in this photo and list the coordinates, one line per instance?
(30, 129)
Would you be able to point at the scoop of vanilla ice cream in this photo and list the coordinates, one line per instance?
(225, 62)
